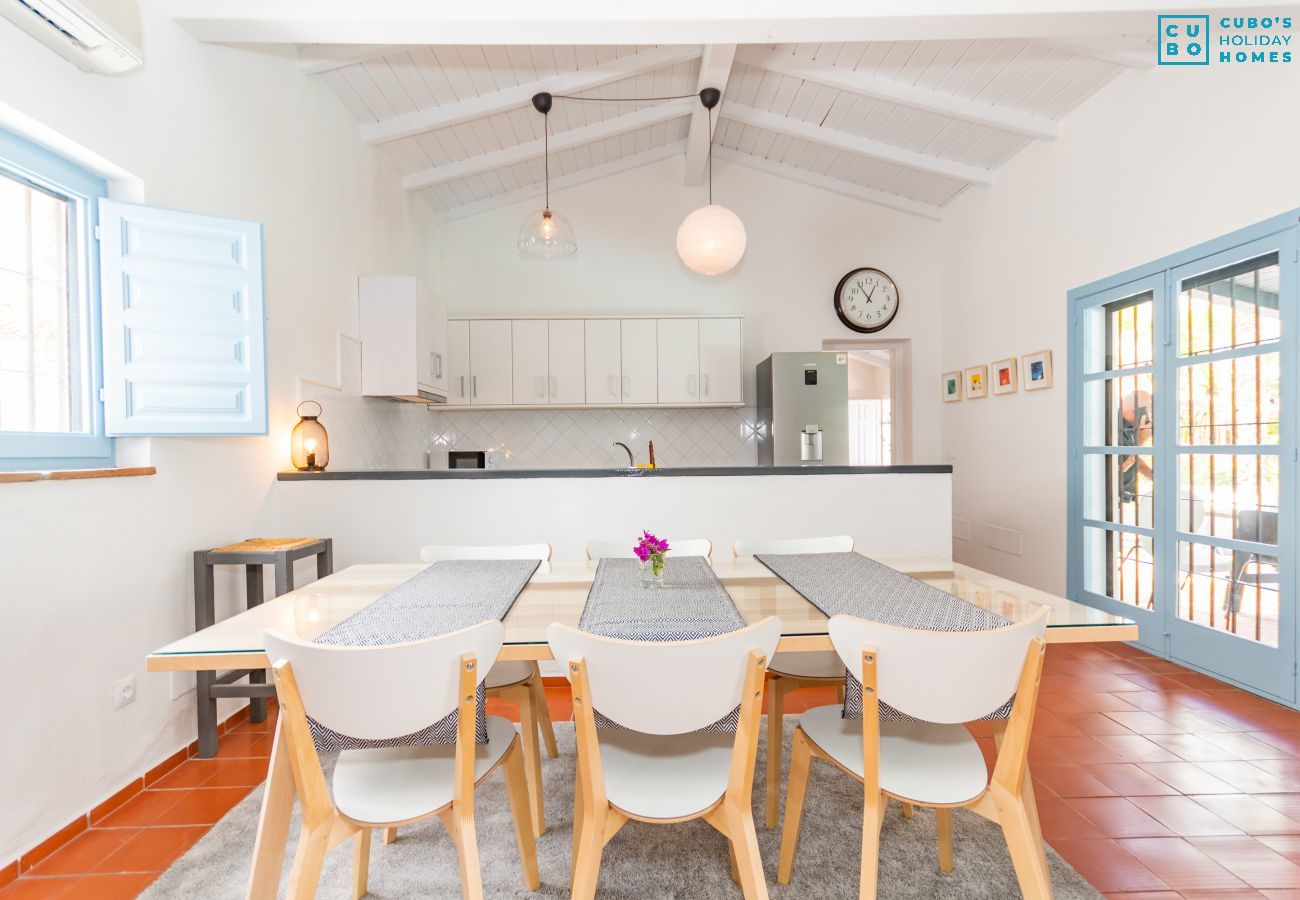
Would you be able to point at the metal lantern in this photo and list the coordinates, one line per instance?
(309, 443)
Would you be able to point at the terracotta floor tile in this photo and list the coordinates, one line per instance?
(1249, 814)
(111, 887)
(1145, 895)
(201, 806)
(1254, 863)
(1129, 780)
(1076, 749)
(189, 774)
(144, 808)
(152, 850)
(1108, 866)
(1286, 894)
(1048, 724)
(1151, 701)
(1117, 817)
(1147, 723)
(239, 773)
(1180, 865)
(1286, 844)
(1245, 746)
(1287, 741)
(1287, 769)
(1095, 724)
(1191, 747)
(1188, 778)
(1061, 822)
(1184, 816)
(248, 743)
(1136, 748)
(84, 852)
(1287, 804)
(1070, 781)
(40, 888)
(1249, 778)
(1240, 894)
(1076, 683)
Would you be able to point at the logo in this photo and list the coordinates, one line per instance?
(1184, 40)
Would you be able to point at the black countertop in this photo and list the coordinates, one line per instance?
(680, 472)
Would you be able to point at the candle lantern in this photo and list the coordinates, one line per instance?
(309, 443)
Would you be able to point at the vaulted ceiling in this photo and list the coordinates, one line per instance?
(907, 124)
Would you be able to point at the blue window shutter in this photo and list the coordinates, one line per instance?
(183, 322)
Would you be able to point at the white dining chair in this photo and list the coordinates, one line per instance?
(791, 671)
(942, 679)
(424, 682)
(659, 766)
(685, 547)
(518, 682)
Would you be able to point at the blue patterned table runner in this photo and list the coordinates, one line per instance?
(447, 596)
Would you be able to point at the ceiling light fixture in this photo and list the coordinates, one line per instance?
(545, 233)
(711, 240)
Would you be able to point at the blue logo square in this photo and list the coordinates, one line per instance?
(1184, 40)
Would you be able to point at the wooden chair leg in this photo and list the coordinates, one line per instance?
(462, 833)
(795, 790)
(839, 691)
(273, 823)
(521, 810)
(775, 722)
(731, 856)
(1026, 846)
(390, 834)
(586, 864)
(544, 715)
(943, 829)
(579, 807)
(872, 814)
(313, 844)
(908, 810)
(744, 843)
(361, 864)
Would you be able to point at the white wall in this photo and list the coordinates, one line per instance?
(1157, 161)
(93, 575)
(801, 242)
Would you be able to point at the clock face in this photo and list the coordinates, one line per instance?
(866, 300)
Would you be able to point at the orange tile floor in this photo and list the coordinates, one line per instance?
(1153, 781)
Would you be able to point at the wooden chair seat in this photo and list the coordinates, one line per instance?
(825, 665)
(504, 674)
(655, 776)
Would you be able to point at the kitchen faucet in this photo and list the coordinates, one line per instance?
(631, 461)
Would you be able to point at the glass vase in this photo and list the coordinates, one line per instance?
(652, 573)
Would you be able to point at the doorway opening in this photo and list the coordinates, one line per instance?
(879, 400)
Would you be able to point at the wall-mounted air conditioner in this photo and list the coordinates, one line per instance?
(95, 35)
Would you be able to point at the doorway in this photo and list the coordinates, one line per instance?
(879, 400)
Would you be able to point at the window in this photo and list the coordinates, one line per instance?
(50, 415)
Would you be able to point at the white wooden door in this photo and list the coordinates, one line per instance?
(679, 361)
(568, 377)
(602, 352)
(640, 364)
(490, 381)
(720, 361)
(458, 375)
(531, 362)
(433, 326)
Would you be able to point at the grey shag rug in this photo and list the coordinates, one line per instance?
(642, 861)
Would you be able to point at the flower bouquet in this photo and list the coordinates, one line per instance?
(650, 550)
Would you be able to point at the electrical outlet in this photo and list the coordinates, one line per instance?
(123, 692)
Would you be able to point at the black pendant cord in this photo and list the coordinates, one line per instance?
(710, 156)
(546, 156)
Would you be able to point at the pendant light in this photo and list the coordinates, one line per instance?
(546, 234)
(711, 240)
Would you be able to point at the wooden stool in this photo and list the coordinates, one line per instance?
(253, 554)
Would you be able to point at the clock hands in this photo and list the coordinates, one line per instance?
(864, 290)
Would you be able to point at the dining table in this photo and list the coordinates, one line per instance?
(557, 592)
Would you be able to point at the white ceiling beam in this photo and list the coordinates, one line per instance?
(582, 176)
(715, 71)
(511, 98)
(868, 85)
(315, 60)
(509, 156)
(1130, 59)
(527, 22)
(859, 146)
(834, 185)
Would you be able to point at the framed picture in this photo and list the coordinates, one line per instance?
(951, 384)
(1038, 370)
(977, 382)
(1004, 376)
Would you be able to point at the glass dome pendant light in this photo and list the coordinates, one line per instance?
(711, 240)
(544, 233)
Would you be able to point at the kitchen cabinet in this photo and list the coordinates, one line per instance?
(567, 372)
(490, 362)
(403, 339)
(531, 355)
(548, 362)
(458, 377)
(679, 360)
(638, 346)
(720, 375)
(602, 357)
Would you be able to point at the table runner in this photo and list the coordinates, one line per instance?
(449, 595)
(691, 604)
(851, 584)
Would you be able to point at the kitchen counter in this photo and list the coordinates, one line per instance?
(668, 472)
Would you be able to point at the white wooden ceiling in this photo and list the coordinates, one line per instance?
(909, 124)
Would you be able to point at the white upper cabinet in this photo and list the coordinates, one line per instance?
(458, 376)
(531, 362)
(490, 362)
(403, 338)
(602, 357)
(567, 382)
(720, 361)
(638, 343)
(679, 361)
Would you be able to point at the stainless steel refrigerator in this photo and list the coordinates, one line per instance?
(803, 409)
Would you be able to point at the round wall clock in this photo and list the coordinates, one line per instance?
(866, 300)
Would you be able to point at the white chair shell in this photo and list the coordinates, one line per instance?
(842, 543)
(685, 547)
(437, 552)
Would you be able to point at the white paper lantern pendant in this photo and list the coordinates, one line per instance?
(711, 240)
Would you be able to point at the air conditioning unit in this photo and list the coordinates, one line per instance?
(95, 35)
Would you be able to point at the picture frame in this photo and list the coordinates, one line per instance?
(977, 382)
(1038, 370)
(950, 386)
(1004, 378)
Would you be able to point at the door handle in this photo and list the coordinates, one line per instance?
(437, 358)
(539, 382)
(554, 386)
(705, 381)
(627, 387)
(613, 386)
(462, 385)
(690, 385)
(473, 384)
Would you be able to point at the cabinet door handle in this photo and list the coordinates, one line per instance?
(462, 385)
(690, 385)
(613, 386)
(627, 386)
(704, 379)
(554, 386)
(473, 384)
(539, 382)
(437, 358)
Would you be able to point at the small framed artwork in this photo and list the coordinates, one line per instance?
(1004, 376)
(1038, 370)
(951, 387)
(977, 382)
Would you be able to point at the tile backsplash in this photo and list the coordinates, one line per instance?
(370, 433)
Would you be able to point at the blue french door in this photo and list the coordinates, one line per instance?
(1183, 416)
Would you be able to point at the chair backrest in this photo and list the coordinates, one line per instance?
(753, 546)
(665, 687)
(946, 677)
(437, 552)
(685, 547)
(420, 680)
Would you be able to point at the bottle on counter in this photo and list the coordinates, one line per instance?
(652, 454)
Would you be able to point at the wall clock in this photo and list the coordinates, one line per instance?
(866, 300)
